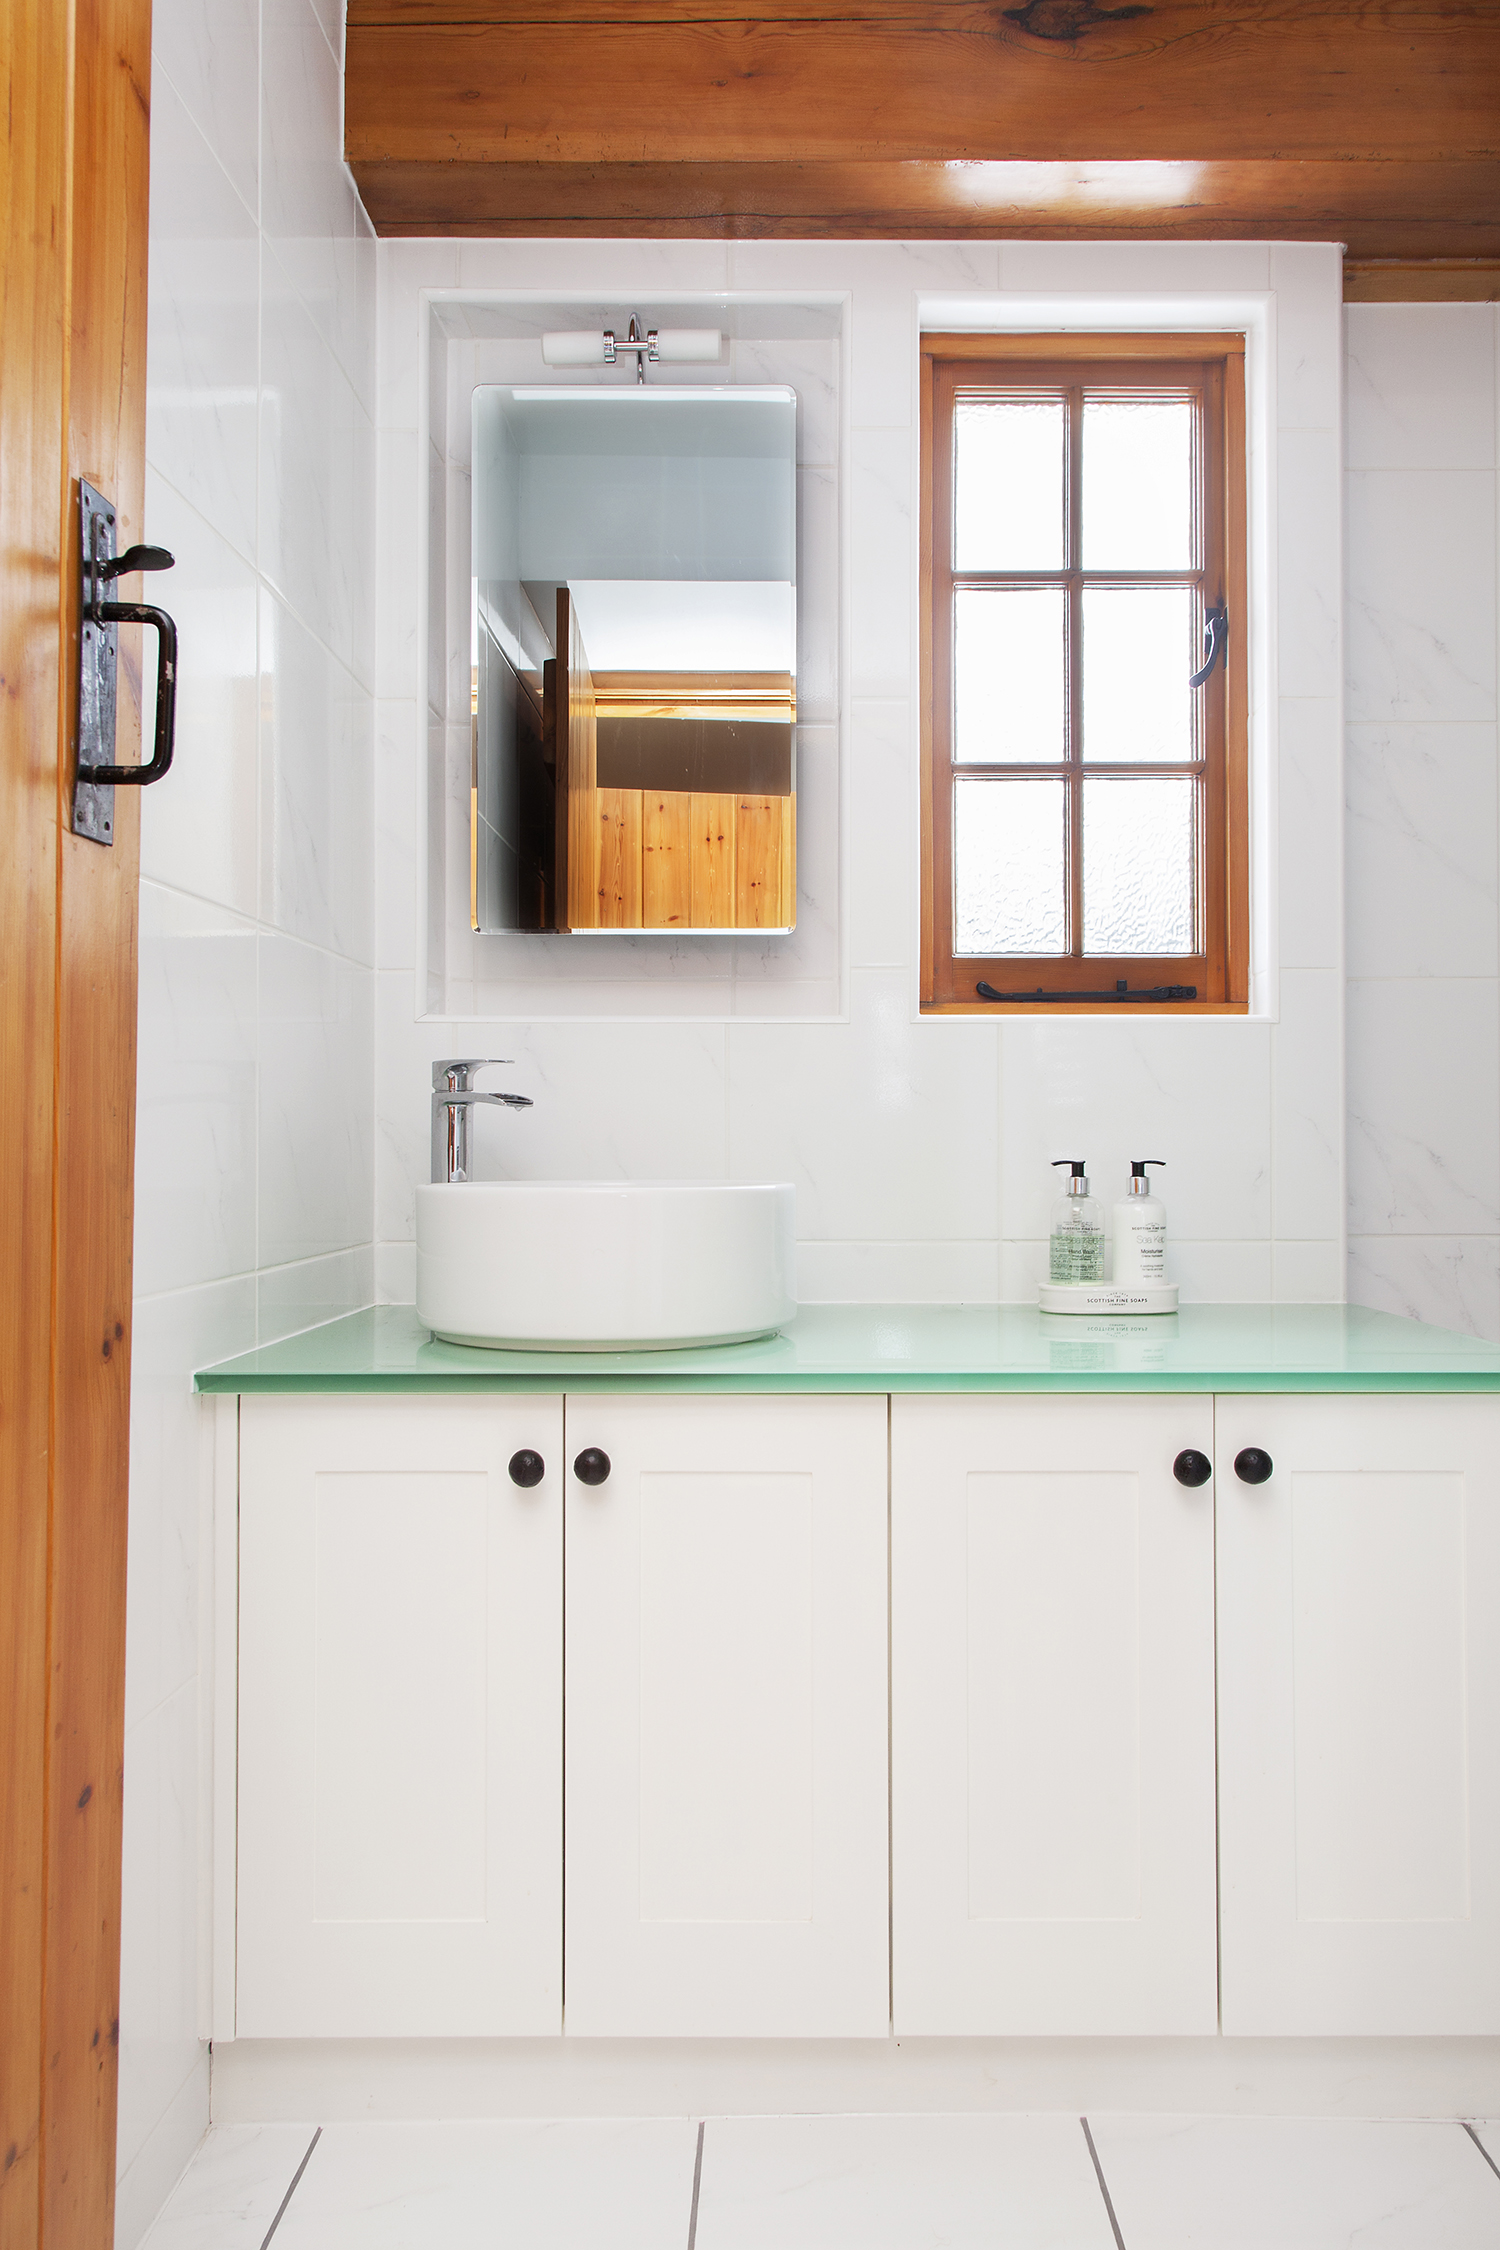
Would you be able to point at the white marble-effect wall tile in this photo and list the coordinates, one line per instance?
(172, 1335)
(196, 1106)
(318, 784)
(159, 2047)
(1199, 1092)
(291, 1298)
(1451, 1280)
(887, 1127)
(1424, 1097)
(308, 199)
(316, 1027)
(209, 51)
(254, 1121)
(1308, 281)
(1421, 626)
(1307, 1156)
(882, 564)
(1422, 866)
(199, 830)
(149, 2178)
(1308, 517)
(1422, 808)
(1421, 389)
(902, 1273)
(316, 495)
(883, 867)
(202, 342)
(1309, 814)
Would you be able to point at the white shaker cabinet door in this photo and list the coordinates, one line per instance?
(400, 1718)
(726, 1717)
(1359, 1715)
(1052, 1698)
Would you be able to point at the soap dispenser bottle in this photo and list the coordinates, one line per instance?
(1077, 1229)
(1141, 1229)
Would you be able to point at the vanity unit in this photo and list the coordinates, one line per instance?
(951, 1671)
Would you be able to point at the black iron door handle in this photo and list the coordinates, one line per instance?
(592, 1465)
(1192, 1468)
(145, 613)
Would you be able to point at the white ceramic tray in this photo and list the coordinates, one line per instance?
(1108, 1296)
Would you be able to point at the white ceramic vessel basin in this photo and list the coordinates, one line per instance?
(604, 1265)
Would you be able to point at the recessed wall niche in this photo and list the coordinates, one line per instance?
(475, 340)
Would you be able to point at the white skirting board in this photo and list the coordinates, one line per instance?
(258, 2081)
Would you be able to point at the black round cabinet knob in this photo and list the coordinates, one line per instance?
(1253, 1466)
(1192, 1468)
(592, 1466)
(527, 1468)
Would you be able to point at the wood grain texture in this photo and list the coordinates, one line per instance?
(666, 859)
(1218, 964)
(1377, 126)
(33, 369)
(96, 1025)
(617, 859)
(713, 861)
(758, 902)
(1427, 281)
(577, 767)
(72, 404)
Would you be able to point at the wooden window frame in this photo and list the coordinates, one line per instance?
(1220, 967)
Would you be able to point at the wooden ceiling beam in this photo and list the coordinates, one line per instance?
(1375, 125)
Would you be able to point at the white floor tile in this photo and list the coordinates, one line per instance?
(232, 2190)
(899, 2183)
(1297, 2184)
(521, 2185)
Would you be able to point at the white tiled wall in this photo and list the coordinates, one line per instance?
(1423, 938)
(255, 1121)
(919, 1149)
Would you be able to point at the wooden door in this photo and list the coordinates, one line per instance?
(1052, 1711)
(726, 1718)
(77, 75)
(1359, 1716)
(400, 1719)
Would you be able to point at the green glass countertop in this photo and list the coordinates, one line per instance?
(978, 1348)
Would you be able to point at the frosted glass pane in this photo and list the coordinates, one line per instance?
(1010, 676)
(1137, 484)
(1138, 656)
(1008, 483)
(1009, 842)
(1138, 855)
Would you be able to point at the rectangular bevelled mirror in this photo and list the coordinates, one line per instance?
(634, 659)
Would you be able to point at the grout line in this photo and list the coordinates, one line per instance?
(296, 2176)
(1114, 2223)
(1474, 2137)
(692, 2239)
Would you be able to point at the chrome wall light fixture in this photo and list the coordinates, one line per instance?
(594, 347)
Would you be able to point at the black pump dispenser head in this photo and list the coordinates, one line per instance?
(1139, 1184)
(1079, 1183)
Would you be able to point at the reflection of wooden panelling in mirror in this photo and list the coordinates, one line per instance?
(642, 855)
(751, 758)
(577, 774)
(617, 860)
(713, 862)
(666, 859)
(759, 840)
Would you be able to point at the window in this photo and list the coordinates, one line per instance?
(1085, 808)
